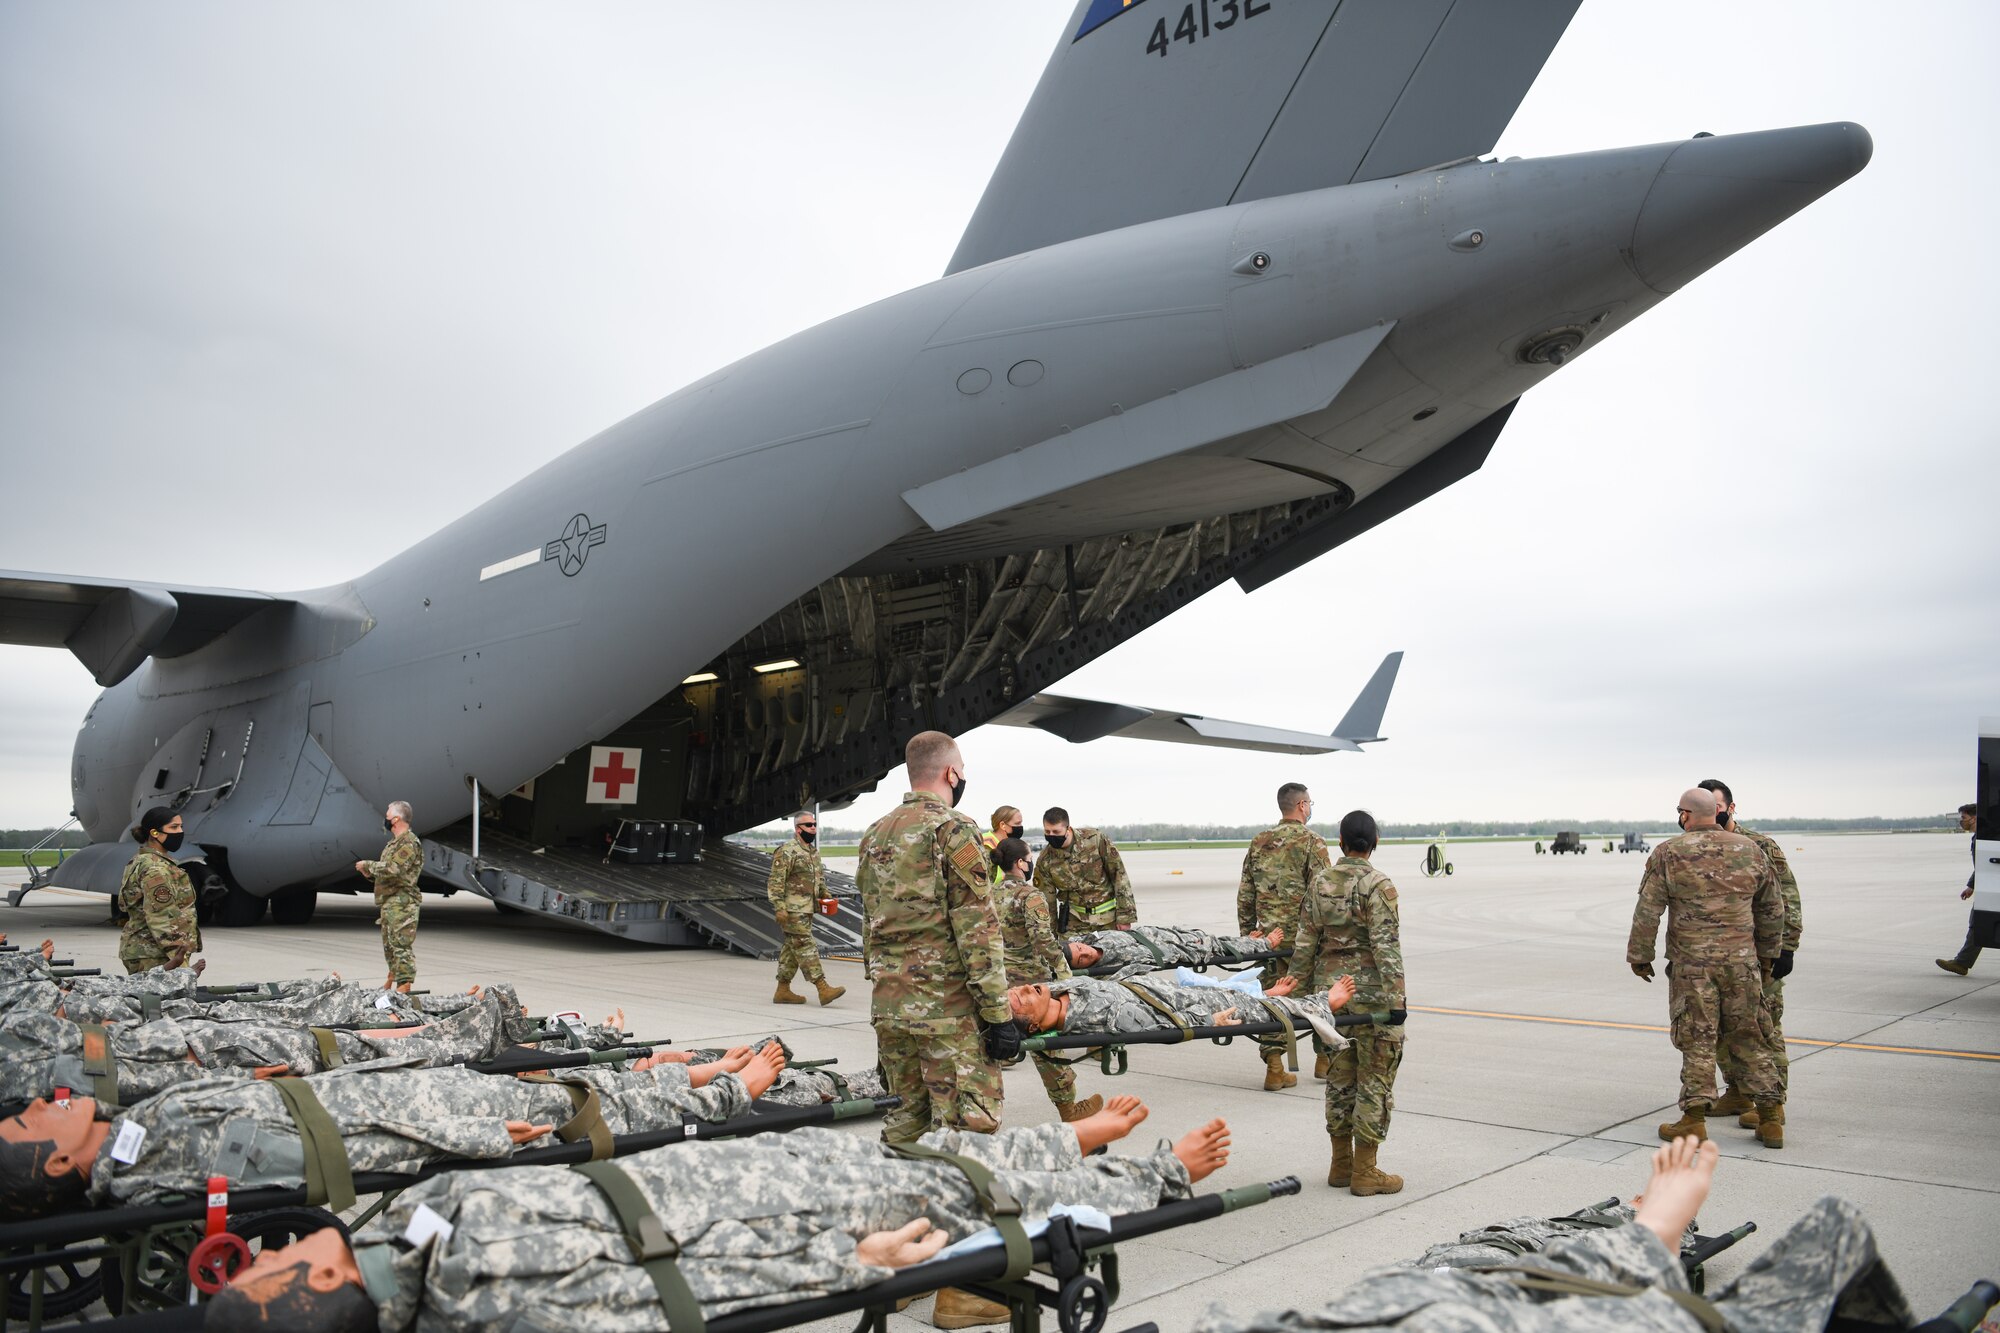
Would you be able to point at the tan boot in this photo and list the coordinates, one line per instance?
(828, 994)
(1341, 1173)
(1953, 966)
(786, 995)
(1771, 1125)
(962, 1309)
(1369, 1178)
(1691, 1122)
(1733, 1102)
(1319, 1066)
(1275, 1077)
(1090, 1105)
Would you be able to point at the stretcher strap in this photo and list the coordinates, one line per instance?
(98, 1065)
(1151, 948)
(1161, 1006)
(1284, 1022)
(655, 1250)
(329, 1177)
(149, 1006)
(329, 1049)
(1571, 1284)
(588, 1120)
(1000, 1205)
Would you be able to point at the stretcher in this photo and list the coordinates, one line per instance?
(141, 1257)
(1108, 1048)
(1069, 1270)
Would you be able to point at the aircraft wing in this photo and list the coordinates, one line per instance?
(1154, 108)
(111, 626)
(1081, 720)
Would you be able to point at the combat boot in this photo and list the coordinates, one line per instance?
(962, 1309)
(1733, 1102)
(1319, 1066)
(828, 994)
(1341, 1174)
(1090, 1105)
(1275, 1077)
(1771, 1125)
(1369, 1178)
(1691, 1122)
(786, 995)
(1953, 966)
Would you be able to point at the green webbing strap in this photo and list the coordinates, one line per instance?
(329, 1049)
(1291, 1034)
(651, 1245)
(1160, 1006)
(98, 1064)
(149, 1006)
(329, 1178)
(588, 1122)
(1000, 1206)
(1151, 947)
(1570, 1284)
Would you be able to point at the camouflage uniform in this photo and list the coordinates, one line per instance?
(398, 902)
(321, 1001)
(759, 1222)
(797, 883)
(1772, 1020)
(1098, 1004)
(1724, 914)
(1348, 926)
(934, 948)
(805, 1087)
(28, 984)
(1086, 883)
(1149, 948)
(1034, 955)
(157, 899)
(40, 1052)
(1822, 1272)
(1273, 886)
(390, 1117)
(1504, 1242)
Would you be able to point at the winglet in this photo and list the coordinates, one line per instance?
(1364, 715)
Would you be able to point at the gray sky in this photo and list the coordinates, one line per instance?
(285, 288)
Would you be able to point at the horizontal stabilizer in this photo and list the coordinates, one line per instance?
(1294, 385)
(1082, 720)
(111, 626)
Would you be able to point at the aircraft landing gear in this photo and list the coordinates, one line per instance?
(224, 904)
(294, 908)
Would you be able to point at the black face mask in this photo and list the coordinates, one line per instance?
(389, 824)
(1017, 830)
(958, 790)
(1056, 839)
(173, 842)
(808, 836)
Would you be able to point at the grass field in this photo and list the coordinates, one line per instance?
(12, 857)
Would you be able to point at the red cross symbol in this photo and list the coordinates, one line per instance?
(613, 774)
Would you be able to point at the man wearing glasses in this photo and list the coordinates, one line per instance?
(1725, 930)
(797, 883)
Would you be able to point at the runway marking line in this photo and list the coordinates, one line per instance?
(1649, 1027)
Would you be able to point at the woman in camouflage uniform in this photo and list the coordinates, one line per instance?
(157, 899)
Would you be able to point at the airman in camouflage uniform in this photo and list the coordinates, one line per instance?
(797, 883)
(1725, 922)
(1034, 955)
(1349, 926)
(398, 899)
(747, 1235)
(157, 899)
(934, 948)
(1084, 877)
(1268, 897)
(1151, 948)
(1734, 1100)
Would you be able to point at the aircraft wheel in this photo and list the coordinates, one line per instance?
(239, 907)
(294, 908)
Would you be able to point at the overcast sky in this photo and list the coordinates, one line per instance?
(285, 288)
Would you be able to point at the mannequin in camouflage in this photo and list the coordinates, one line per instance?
(1153, 948)
(1823, 1270)
(747, 1235)
(1151, 1004)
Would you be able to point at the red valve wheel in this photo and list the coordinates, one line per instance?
(216, 1262)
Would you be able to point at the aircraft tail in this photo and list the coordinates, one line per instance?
(1363, 722)
(1153, 108)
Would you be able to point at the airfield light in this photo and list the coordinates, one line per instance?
(783, 664)
(701, 678)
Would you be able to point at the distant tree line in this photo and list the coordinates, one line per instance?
(28, 837)
(1462, 828)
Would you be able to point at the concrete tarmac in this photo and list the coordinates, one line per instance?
(1536, 1070)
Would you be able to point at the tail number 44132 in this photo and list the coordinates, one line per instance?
(1201, 19)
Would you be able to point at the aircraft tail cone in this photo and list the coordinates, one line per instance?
(1715, 195)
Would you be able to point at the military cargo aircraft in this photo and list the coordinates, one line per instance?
(1274, 297)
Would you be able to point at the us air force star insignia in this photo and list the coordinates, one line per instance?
(572, 548)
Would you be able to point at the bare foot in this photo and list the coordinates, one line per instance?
(902, 1247)
(762, 1070)
(1338, 994)
(1682, 1173)
(1203, 1150)
(1276, 938)
(1120, 1116)
(735, 1058)
(1282, 986)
